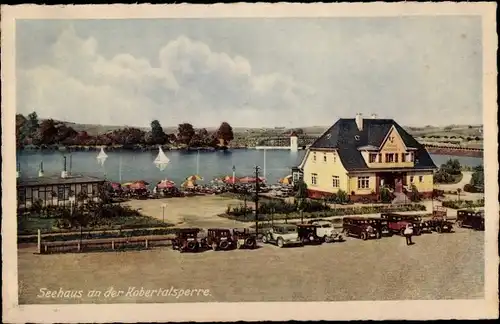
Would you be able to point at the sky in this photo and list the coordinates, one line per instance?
(251, 72)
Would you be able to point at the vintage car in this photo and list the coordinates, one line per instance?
(398, 222)
(327, 231)
(439, 224)
(244, 239)
(359, 227)
(281, 235)
(381, 226)
(219, 239)
(470, 218)
(308, 234)
(186, 239)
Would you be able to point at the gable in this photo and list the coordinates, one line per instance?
(393, 142)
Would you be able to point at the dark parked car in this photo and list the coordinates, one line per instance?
(398, 222)
(440, 224)
(219, 239)
(244, 239)
(186, 239)
(359, 227)
(470, 218)
(308, 234)
(381, 226)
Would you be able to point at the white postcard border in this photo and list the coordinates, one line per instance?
(442, 309)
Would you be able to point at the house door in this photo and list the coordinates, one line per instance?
(398, 184)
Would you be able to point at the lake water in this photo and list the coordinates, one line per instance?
(139, 165)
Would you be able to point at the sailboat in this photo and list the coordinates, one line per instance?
(161, 160)
(102, 156)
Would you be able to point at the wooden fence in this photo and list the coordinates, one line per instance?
(105, 244)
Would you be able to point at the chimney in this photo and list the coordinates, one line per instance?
(374, 116)
(40, 171)
(64, 173)
(359, 121)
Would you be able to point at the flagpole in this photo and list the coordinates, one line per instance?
(264, 164)
(198, 163)
(120, 169)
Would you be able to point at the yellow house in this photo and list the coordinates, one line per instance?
(360, 156)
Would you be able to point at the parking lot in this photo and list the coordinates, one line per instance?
(438, 266)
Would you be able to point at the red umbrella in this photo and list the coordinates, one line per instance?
(252, 180)
(138, 185)
(115, 185)
(142, 182)
(229, 179)
(165, 184)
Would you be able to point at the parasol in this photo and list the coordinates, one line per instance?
(165, 184)
(188, 184)
(194, 177)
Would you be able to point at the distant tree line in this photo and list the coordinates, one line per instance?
(31, 131)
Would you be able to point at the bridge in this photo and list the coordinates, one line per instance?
(284, 141)
(304, 141)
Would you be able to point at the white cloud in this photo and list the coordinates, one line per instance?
(79, 84)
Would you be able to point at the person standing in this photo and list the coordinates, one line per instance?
(408, 232)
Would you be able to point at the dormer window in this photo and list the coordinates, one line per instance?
(372, 158)
(356, 137)
(389, 157)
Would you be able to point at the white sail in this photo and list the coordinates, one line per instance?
(161, 160)
(102, 156)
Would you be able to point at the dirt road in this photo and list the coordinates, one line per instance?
(438, 266)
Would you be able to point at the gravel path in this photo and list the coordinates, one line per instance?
(438, 266)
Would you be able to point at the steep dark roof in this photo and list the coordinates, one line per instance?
(345, 136)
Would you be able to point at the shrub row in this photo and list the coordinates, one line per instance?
(327, 213)
(455, 204)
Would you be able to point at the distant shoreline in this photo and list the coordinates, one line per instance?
(433, 149)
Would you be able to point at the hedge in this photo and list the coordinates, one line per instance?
(455, 204)
(327, 213)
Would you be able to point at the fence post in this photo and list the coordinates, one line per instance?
(112, 245)
(146, 243)
(79, 247)
(39, 242)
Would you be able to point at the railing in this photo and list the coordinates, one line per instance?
(106, 244)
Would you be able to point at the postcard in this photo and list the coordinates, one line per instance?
(249, 162)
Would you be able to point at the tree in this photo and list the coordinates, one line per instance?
(301, 196)
(158, 135)
(225, 133)
(477, 179)
(185, 133)
(452, 166)
(33, 123)
(46, 133)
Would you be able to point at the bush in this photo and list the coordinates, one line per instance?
(414, 194)
(470, 188)
(386, 196)
(463, 204)
(436, 193)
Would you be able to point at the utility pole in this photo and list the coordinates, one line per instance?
(256, 200)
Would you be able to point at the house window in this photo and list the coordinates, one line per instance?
(335, 181)
(389, 157)
(21, 194)
(420, 179)
(363, 182)
(396, 157)
(411, 157)
(95, 190)
(403, 157)
(314, 179)
(412, 178)
(314, 157)
(60, 192)
(373, 157)
(334, 157)
(324, 157)
(380, 158)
